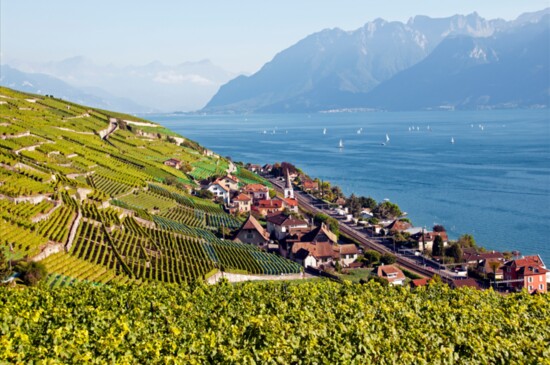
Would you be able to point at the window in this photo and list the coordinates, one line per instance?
(250, 235)
(530, 279)
(541, 286)
(530, 288)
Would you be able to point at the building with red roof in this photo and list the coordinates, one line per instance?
(528, 272)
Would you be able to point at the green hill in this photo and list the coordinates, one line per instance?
(92, 185)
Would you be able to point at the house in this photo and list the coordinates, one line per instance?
(242, 203)
(486, 265)
(230, 182)
(252, 232)
(175, 163)
(460, 283)
(257, 192)
(267, 168)
(426, 240)
(313, 254)
(366, 213)
(397, 226)
(253, 167)
(309, 185)
(319, 234)
(391, 273)
(528, 272)
(419, 282)
(348, 254)
(270, 206)
(290, 204)
(280, 224)
(219, 191)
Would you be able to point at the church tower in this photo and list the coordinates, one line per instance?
(289, 192)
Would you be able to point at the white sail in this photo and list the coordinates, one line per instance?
(341, 144)
(324, 131)
(387, 138)
(452, 140)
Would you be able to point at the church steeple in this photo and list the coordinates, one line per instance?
(289, 191)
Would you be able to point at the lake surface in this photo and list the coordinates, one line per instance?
(493, 182)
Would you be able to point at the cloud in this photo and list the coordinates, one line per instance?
(171, 77)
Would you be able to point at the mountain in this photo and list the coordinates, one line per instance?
(44, 84)
(183, 87)
(335, 69)
(509, 69)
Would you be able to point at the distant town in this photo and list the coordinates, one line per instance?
(310, 222)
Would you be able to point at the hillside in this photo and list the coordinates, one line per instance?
(87, 192)
(335, 69)
(275, 323)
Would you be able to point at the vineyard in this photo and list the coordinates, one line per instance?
(280, 323)
(121, 214)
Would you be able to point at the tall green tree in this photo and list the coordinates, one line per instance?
(387, 210)
(454, 251)
(437, 248)
(373, 257)
(467, 240)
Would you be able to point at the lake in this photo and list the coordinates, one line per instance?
(493, 182)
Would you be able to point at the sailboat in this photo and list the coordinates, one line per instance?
(360, 130)
(341, 144)
(452, 140)
(324, 131)
(387, 140)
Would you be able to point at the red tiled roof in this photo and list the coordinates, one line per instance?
(291, 202)
(252, 224)
(281, 219)
(466, 282)
(253, 188)
(420, 282)
(220, 185)
(348, 249)
(242, 198)
(270, 204)
(385, 270)
(399, 226)
(309, 184)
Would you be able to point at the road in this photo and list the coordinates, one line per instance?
(310, 204)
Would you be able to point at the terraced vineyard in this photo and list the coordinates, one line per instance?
(120, 213)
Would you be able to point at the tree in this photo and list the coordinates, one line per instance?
(467, 240)
(205, 194)
(439, 228)
(388, 259)
(372, 256)
(272, 193)
(31, 272)
(387, 210)
(494, 266)
(454, 251)
(437, 248)
(332, 223)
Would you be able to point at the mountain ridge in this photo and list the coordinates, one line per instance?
(334, 69)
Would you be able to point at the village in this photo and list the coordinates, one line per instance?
(275, 221)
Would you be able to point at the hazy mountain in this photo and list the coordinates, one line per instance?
(336, 69)
(187, 86)
(509, 69)
(44, 84)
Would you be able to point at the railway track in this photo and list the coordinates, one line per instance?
(365, 242)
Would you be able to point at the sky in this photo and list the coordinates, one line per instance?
(239, 35)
